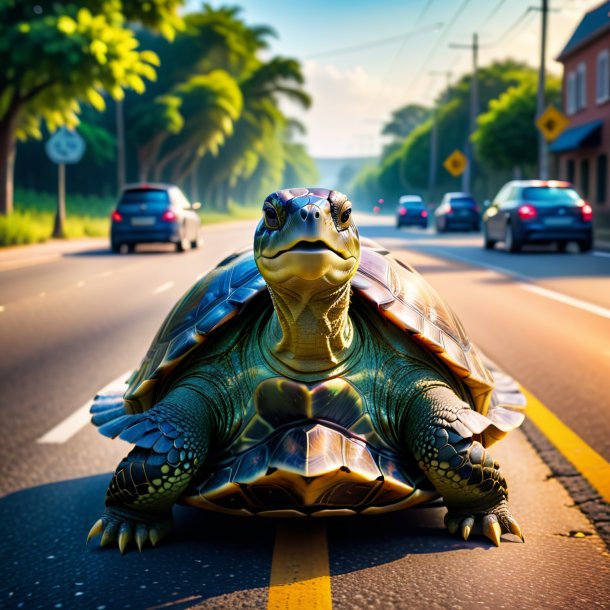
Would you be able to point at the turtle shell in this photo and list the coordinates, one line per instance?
(397, 291)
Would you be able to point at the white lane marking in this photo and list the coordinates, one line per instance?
(163, 287)
(79, 419)
(597, 253)
(562, 298)
(34, 260)
(527, 285)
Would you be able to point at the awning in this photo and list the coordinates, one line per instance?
(578, 137)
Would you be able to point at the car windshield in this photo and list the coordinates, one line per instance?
(550, 195)
(152, 199)
(462, 202)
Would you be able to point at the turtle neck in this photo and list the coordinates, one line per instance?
(310, 330)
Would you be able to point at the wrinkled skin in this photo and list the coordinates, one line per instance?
(307, 249)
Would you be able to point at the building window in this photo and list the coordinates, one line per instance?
(571, 93)
(602, 80)
(584, 177)
(602, 178)
(581, 86)
(571, 170)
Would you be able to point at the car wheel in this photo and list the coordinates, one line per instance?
(562, 246)
(488, 243)
(115, 246)
(585, 245)
(131, 248)
(441, 228)
(195, 243)
(512, 244)
(183, 243)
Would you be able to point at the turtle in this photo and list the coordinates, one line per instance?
(311, 374)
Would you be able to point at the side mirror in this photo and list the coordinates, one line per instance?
(196, 205)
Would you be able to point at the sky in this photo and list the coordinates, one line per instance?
(362, 59)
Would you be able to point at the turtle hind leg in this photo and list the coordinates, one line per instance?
(171, 442)
(440, 434)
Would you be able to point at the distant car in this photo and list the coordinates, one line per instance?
(538, 212)
(152, 213)
(411, 211)
(457, 211)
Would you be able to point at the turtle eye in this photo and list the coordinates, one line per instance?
(270, 216)
(344, 215)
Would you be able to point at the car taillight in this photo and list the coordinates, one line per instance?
(527, 212)
(116, 216)
(169, 216)
(587, 212)
(402, 211)
(449, 209)
(424, 214)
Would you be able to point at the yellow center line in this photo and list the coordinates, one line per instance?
(586, 460)
(300, 574)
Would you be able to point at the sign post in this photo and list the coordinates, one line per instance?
(64, 146)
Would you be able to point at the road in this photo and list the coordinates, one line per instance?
(73, 318)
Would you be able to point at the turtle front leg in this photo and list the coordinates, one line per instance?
(171, 443)
(439, 431)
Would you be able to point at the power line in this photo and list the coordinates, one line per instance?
(438, 43)
(376, 43)
(491, 15)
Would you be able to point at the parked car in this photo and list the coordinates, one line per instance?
(538, 212)
(411, 211)
(457, 211)
(150, 213)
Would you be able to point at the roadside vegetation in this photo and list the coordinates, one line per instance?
(199, 95)
(505, 141)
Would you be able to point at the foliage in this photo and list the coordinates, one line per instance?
(405, 164)
(55, 55)
(405, 120)
(505, 138)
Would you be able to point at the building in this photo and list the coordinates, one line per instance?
(583, 149)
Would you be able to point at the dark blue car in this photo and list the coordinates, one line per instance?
(154, 213)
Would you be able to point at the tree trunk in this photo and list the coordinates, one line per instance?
(8, 149)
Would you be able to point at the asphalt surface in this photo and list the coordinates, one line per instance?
(73, 317)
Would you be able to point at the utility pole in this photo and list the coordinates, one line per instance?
(543, 157)
(434, 136)
(467, 176)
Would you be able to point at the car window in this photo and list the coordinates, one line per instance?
(549, 195)
(180, 200)
(152, 198)
(415, 205)
(462, 202)
(502, 195)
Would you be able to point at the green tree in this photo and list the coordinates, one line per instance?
(55, 55)
(405, 120)
(506, 136)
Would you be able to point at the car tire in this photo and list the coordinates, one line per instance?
(488, 243)
(441, 228)
(195, 243)
(512, 244)
(585, 245)
(131, 248)
(115, 246)
(562, 246)
(183, 244)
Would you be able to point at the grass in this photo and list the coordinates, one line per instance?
(86, 216)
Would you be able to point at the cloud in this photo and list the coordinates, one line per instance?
(349, 109)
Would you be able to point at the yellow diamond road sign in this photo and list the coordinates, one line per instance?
(456, 163)
(552, 123)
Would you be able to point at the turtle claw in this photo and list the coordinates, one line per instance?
(120, 529)
(492, 529)
(467, 525)
(491, 523)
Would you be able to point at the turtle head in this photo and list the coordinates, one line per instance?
(305, 236)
